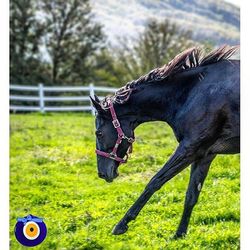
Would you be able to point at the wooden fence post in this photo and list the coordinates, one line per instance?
(41, 97)
(92, 93)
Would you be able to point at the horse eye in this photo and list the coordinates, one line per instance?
(98, 133)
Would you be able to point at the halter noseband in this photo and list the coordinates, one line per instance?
(121, 136)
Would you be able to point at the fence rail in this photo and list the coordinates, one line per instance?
(41, 97)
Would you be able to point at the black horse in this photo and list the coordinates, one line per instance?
(198, 96)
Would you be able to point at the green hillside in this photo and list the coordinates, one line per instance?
(214, 21)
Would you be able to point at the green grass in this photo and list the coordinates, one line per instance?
(53, 175)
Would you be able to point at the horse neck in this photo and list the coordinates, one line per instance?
(154, 102)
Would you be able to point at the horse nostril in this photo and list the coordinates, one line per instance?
(101, 175)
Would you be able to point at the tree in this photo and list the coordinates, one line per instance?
(25, 39)
(106, 68)
(72, 39)
(157, 45)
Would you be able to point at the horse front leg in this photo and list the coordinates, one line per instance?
(182, 157)
(198, 175)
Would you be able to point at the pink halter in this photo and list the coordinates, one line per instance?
(121, 136)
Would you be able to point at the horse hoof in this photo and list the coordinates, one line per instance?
(179, 235)
(120, 229)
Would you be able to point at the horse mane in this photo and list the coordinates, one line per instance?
(188, 59)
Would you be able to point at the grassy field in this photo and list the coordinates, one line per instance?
(53, 175)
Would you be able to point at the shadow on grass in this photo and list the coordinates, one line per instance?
(218, 218)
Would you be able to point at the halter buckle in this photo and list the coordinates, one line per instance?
(129, 139)
(112, 156)
(116, 123)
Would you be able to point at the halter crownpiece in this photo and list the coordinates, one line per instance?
(121, 136)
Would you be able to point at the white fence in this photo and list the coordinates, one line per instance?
(41, 97)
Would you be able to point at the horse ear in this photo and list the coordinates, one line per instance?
(97, 99)
(96, 104)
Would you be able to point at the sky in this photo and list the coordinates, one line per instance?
(235, 2)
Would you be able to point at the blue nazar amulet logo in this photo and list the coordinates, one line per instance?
(30, 231)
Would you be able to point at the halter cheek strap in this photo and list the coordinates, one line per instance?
(121, 136)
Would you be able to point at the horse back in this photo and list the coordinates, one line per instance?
(212, 108)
